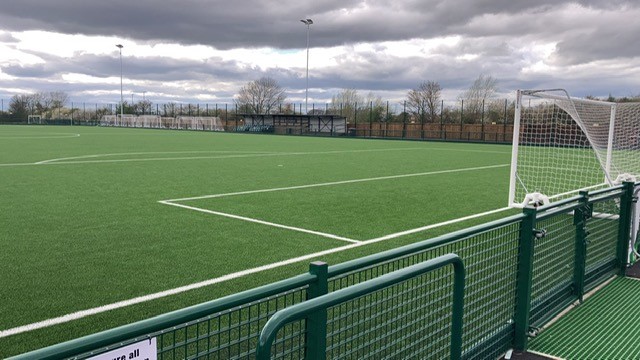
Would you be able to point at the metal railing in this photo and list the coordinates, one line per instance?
(315, 311)
(520, 271)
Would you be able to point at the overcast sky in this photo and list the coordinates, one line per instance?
(205, 50)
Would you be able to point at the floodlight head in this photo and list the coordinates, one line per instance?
(307, 21)
(119, 46)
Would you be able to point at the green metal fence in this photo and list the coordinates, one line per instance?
(520, 271)
(385, 317)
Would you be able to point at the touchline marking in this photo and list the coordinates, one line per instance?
(150, 152)
(60, 136)
(293, 228)
(141, 299)
(246, 154)
(256, 154)
(337, 183)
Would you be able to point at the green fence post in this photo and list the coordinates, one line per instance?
(316, 332)
(523, 285)
(624, 226)
(580, 216)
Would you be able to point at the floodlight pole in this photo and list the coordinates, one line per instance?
(119, 46)
(144, 103)
(307, 22)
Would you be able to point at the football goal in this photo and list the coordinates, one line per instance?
(562, 145)
(34, 119)
(211, 123)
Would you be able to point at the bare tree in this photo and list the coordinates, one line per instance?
(483, 89)
(261, 96)
(56, 99)
(19, 106)
(424, 100)
(346, 103)
(377, 107)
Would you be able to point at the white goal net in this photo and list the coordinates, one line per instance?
(207, 123)
(211, 123)
(562, 145)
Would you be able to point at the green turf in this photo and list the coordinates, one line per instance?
(87, 229)
(604, 327)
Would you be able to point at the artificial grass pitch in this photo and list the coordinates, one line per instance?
(82, 225)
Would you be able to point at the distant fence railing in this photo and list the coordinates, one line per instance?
(491, 122)
(521, 271)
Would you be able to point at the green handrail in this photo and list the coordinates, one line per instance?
(374, 259)
(307, 308)
(141, 329)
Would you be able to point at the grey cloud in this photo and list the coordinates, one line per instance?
(6, 37)
(224, 24)
(488, 29)
(617, 40)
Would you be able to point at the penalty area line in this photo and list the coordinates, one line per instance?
(158, 295)
(333, 183)
(262, 222)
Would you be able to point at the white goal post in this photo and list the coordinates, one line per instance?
(34, 119)
(562, 145)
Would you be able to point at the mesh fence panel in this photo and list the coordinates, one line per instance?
(491, 262)
(553, 266)
(409, 320)
(290, 342)
(228, 334)
(602, 241)
(232, 334)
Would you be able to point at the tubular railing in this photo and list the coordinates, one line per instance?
(520, 271)
(308, 308)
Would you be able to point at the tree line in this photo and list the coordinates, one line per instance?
(423, 104)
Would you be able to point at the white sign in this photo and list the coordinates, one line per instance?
(143, 350)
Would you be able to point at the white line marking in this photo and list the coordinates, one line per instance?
(258, 221)
(339, 182)
(249, 154)
(61, 136)
(428, 227)
(178, 290)
(17, 164)
(149, 152)
(257, 154)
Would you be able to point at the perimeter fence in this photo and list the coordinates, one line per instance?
(454, 121)
(521, 271)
